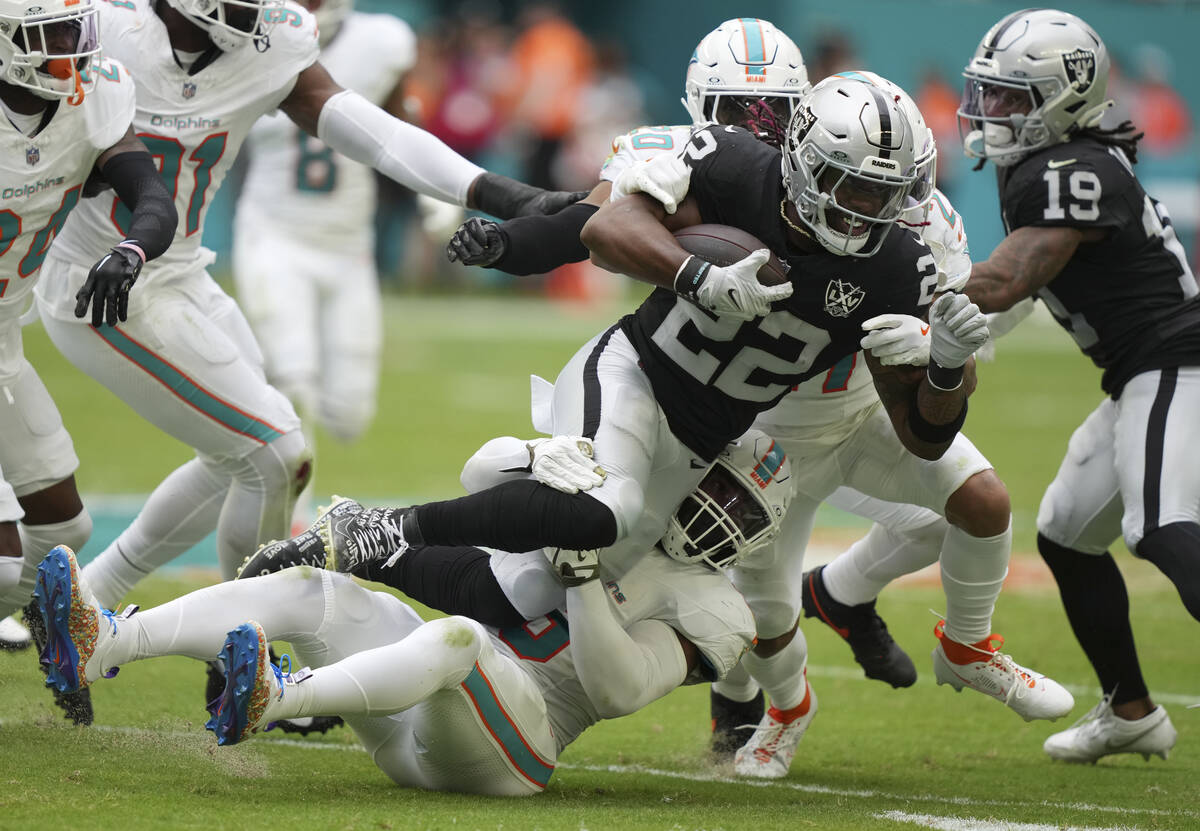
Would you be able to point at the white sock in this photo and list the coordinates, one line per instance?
(860, 573)
(737, 685)
(387, 679)
(10, 575)
(180, 513)
(973, 571)
(782, 674)
(36, 542)
(262, 494)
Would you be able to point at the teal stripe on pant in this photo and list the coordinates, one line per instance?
(186, 389)
(503, 730)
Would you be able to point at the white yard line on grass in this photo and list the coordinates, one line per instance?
(972, 824)
(823, 790)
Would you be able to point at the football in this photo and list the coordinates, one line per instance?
(725, 245)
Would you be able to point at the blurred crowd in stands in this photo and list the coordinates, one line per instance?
(532, 96)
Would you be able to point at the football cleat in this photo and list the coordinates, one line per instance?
(733, 723)
(769, 753)
(1101, 732)
(1030, 694)
(345, 537)
(77, 706)
(215, 686)
(78, 632)
(860, 626)
(253, 686)
(14, 636)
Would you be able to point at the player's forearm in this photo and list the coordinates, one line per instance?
(621, 671)
(358, 129)
(1024, 261)
(628, 237)
(136, 180)
(926, 419)
(503, 459)
(537, 244)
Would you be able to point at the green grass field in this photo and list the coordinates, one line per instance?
(455, 375)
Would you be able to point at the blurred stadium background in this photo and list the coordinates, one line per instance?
(537, 91)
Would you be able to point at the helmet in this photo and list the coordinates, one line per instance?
(49, 47)
(736, 508)
(852, 158)
(1038, 76)
(922, 191)
(231, 24)
(746, 73)
(330, 14)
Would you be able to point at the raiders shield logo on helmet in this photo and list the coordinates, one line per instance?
(841, 298)
(1081, 68)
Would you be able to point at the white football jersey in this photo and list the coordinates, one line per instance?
(192, 124)
(641, 145)
(295, 180)
(42, 176)
(699, 603)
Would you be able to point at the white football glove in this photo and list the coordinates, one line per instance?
(565, 463)
(574, 568)
(734, 290)
(897, 340)
(664, 178)
(956, 329)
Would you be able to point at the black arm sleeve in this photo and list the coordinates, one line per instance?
(517, 516)
(457, 580)
(537, 244)
(137, 182)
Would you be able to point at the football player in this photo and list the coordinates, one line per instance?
(433, 702)
(185, 359)
(834, 421)
(1086, 239)
(67, 134)
(304, 235)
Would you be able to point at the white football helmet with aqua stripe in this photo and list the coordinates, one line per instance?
(746, 73)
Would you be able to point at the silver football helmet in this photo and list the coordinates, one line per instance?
(1037, 77)
(853, 157)
(922, 190)
(232, 24)
(746, 73)
(49, 47)
(736, 508)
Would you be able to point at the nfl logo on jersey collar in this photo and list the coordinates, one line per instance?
(841, 298)
(32, 156)
(189, 89)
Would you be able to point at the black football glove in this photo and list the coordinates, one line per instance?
(552, 201)
(479, 242)
(107, 286)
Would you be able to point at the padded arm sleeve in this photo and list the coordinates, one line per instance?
(138, 184)
(537, 244)
(620, 670)
(499, 460)
(356, 128)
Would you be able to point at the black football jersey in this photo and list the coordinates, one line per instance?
(1130, 300)
(712, 375)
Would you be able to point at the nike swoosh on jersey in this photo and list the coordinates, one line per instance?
(696, 464)
(1058, 164)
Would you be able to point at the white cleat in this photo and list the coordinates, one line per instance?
(1103, 733)
(769, 752)
(13, 635)
(1029, 694)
